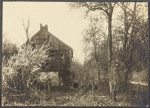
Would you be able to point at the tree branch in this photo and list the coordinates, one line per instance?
(124, 6)
(114, 5)
(93, 8)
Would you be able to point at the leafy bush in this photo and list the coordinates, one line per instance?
(8, 50)
(21, 69)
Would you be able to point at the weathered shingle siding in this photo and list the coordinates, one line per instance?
(58, 47)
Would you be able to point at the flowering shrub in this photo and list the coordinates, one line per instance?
(21, 68)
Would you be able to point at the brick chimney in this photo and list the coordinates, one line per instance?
(46, 27)
(41, 26)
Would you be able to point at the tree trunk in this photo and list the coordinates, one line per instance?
(126, 85)
(111, 77)
(59, 78)
(126, 33)
(96, 59)
(27, 42)
(126, 73)
(49, 88)
(125, 49)
(110, 55)
(98, 72)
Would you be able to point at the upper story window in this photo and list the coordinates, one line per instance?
(37, 41)
(44, 39)
(65, 51)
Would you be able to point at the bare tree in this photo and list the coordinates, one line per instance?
(90, 36)
(26, 28)
(107, 8)
(128, 19)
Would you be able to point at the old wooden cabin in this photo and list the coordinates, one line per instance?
(60, 53)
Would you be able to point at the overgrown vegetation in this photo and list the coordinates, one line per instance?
(20, 70)
(116, 54)
(8, 49)
(103, 79)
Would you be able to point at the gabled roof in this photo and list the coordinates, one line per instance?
(60, 41)
(46, 27)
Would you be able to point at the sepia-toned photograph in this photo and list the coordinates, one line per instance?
(75, 54)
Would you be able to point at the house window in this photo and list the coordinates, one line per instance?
(65, 51)
(37, 41)
(48, 38)
(52, 53)
(44, 39)
(33, 45)
(62, 57)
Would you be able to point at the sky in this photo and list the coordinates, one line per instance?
(65, 23)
